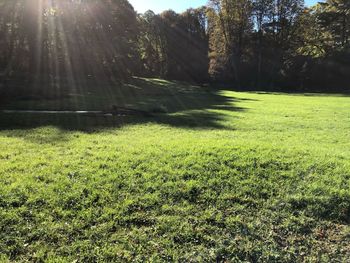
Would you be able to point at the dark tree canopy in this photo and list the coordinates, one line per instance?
(53, 47)
(175, 45)
(58, 45)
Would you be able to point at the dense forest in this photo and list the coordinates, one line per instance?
(62, 45)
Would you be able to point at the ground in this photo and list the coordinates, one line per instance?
(213, 175)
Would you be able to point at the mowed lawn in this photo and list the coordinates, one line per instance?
(212, 176)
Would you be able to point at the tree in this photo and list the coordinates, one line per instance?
(261, 14)
(195, 46)
(314, 40)
(335, 17)
(151, 45)
(175, 46)
(230, 25)
(59, 45)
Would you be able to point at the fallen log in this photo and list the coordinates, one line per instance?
(116, 110)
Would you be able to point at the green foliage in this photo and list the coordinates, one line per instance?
(56, 46)
(316, 41)
(230, 24)
(229, 177)
(175, 46)
(335, 19)
(61, 45)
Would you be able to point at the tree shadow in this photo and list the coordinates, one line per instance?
(172, 103)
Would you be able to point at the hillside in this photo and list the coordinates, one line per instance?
(212, 175)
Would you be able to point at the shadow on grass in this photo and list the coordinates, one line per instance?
(178, 105)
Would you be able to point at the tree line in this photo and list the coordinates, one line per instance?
(65, 45)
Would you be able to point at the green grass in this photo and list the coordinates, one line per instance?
(222, 176)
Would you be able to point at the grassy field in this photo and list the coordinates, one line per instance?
(217, 176)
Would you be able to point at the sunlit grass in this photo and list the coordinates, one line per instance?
(231, 175)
